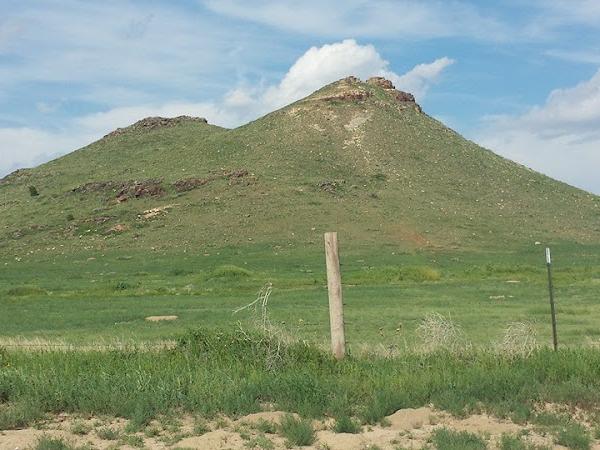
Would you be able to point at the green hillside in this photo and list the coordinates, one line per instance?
(357, 157)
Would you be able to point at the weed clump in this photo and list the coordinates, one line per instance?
(266, 426)
(298, 432)
(48, 443)
(122, 286)
(346, 424)
(440, 333)
(394, 274)
(445, 439)
(24, 291)
(80, 428)
(519, 340)
(108, 434)
(230, 272)
(575, 436)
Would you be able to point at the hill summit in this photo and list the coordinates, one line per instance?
(358, 157)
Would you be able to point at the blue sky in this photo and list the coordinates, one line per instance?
(519, 77)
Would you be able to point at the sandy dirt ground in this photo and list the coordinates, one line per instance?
(405, 429)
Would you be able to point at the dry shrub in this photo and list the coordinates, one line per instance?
(271, 336)
(520, 339)
(440, 333)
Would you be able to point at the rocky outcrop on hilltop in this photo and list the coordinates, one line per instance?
(152, 123)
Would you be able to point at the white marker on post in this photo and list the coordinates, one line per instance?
(548, 257)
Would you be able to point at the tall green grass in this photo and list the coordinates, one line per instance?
(211, 372)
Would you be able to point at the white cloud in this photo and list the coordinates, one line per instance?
(374, 18)
(316, 67)
(26, 147)
(560, 138)
(323, 65)
(418, 80)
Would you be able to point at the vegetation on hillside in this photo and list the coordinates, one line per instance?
(350, 157)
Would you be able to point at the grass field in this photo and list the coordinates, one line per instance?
(204, 366)
(445, 289)
(91, 298)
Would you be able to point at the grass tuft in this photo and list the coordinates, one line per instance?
(346, 424)
(25, 291)
(108, 434)
(574, 436)
(519, 340)
(230, 272)
(49, 443)
(440, 333)
(298, 432)
(445, 439)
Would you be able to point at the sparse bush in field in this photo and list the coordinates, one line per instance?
(230, 272)
(445, 439)
(440, 333)
(152, 431)
(391, 274)
(575, 436)
(298, 432)
(260, 441)
(265, 426)
(508, 442)
(133, 440)
(80, 428)
(346, 424)
(123, 286)
(179, 271)
(108, 434)
(265, 343)
(18, 415)
(49, 443)
(70, 217)
(24, 291)
(519, 340)
(200, 427)
(33, 192)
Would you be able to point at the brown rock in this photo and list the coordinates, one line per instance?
(355, 94)
(118, 228)
(151, 123)
(381, 82)
(404, 96)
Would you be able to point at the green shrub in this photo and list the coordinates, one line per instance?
(346, 424)
(445, 439)
(200, 427)
(48, 443)
(261, 442)
(108, 434)
(574, 436)
(33, 191)
(509, 442)
(230, 272)
(132, 440)
(80, 428)
(18, 415)
(265, 426)
(123, 286)
(24, 291)
(394, 274)
(298, 432)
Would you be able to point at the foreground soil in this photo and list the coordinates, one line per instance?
(405, 429)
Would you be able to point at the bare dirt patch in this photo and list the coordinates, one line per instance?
(160, 318)
(236, 176)
(406, 428)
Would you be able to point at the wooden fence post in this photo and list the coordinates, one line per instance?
(334, 286)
